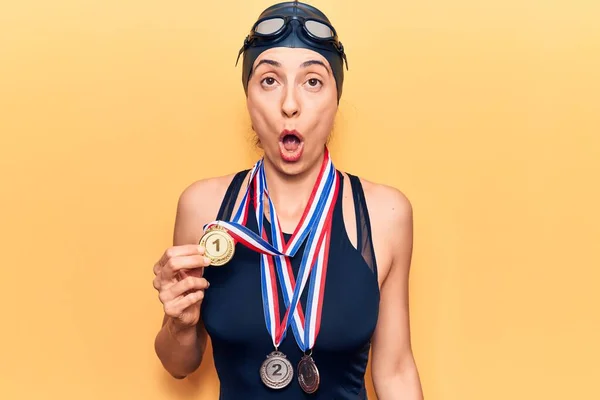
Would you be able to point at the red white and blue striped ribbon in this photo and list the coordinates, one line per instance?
(314, 228)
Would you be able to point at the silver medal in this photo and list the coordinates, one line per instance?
(276, 371)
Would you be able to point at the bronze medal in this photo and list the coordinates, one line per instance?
(276, 371)
(218, 244)
(308, 375)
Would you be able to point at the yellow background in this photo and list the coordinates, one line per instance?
(485, 113)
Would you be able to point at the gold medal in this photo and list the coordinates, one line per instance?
(218, 245)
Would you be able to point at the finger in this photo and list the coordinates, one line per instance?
(176, 307)
(178, 289)
(156, 283)
(177, 264)
(197, 272)
(189, 284)
(179, 251)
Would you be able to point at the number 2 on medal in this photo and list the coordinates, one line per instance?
(277, 368)
(217, 244)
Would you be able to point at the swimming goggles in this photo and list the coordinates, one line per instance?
(274, 28)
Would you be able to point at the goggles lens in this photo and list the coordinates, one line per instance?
(319, 29)
(272, 26)
(269, 26)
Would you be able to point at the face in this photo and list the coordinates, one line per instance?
(292, 101)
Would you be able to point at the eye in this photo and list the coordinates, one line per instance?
(268, 81)
(313, 84)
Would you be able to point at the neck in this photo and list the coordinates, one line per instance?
(290, 194)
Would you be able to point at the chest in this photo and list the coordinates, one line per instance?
(233, 311)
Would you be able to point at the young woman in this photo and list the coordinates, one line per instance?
(295, 269)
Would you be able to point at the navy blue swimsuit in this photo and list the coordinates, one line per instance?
(232, 312)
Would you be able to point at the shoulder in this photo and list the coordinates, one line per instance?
(198, 204)
(387, 205)
(204, 192)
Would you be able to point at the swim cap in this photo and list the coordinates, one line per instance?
(294, 24)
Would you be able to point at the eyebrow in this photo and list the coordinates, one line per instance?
(305, 64)
(267, 61)
(314, 62)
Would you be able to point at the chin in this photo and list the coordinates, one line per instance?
(307, 163)
(289, 168)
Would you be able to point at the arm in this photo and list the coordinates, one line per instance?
(394, 370)
(180, 350)
(180, 347)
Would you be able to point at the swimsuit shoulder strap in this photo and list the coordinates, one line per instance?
(231, 195)
(363, 224)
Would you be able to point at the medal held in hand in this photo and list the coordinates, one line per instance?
(219, 238)
(314, 228)
(218, 244)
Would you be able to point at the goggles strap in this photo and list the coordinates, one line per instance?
(244, 47)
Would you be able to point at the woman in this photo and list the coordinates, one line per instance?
(301, 269)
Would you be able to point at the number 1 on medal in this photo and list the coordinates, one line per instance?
(220, 245)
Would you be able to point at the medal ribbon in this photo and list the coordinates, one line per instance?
(314, 227)
(319, 223)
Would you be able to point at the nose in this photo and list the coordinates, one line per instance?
(290, 106)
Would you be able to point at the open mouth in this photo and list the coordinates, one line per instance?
(291, 141)
(291, 145)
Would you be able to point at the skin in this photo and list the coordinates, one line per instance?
(291, 89)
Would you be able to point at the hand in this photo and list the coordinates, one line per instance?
(180, 285)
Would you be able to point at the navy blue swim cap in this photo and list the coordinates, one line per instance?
(297, 25)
